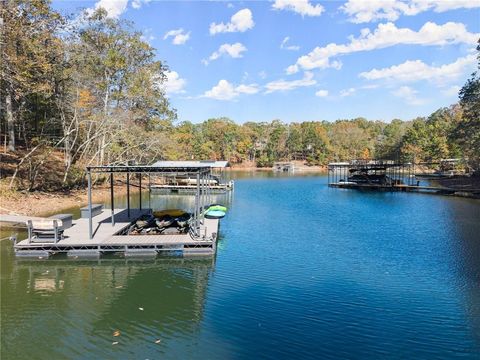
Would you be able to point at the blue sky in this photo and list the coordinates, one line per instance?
(303, 60)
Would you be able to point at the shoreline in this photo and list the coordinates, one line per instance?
(297, 169)
(42, 204)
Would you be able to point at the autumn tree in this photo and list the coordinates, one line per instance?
(31, 54)
(467, 132)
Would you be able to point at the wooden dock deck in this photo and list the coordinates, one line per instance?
(76, 241)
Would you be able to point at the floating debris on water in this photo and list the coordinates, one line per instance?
(158, 341)
(115, 343)
(140, 308)
(116, 333)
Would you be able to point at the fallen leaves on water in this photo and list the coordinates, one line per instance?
(115, 343)
(116, 333)
(158, 341)
(140, 308)
(118, 287)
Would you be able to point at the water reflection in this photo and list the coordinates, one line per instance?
(62, 307)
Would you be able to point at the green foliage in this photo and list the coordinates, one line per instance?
(467, 132)
(94, 91)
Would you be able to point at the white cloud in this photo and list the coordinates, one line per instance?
(232, 50)
(284, 85)
(247, 89)
(179, 36)
(302, 7)
(409, 95)
(452, 91)
(227, 91)
(347, 92)
(284, 45)
(411, 71)
(385, 35)
(361, 11)
(137, 4)
(114, 8)
(174, 83)
(321, 93)
(239, 22)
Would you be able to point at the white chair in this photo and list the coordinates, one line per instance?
(45, 230)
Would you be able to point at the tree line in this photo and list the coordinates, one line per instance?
(91, 89)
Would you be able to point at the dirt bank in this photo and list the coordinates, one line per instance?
(41, 203)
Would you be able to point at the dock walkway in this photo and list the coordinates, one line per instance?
(17, 220)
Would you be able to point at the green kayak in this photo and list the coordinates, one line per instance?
(217, 207)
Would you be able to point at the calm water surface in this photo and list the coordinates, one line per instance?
(302, 271)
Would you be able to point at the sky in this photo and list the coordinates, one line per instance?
(301, 60)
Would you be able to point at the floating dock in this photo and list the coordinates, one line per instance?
(386, 175)
(181, 183)
(107, 239)
(283, 167)
(101, 231)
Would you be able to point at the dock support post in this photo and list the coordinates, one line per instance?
(149, 191)
(197, 204)
(140, 190)
(202, 194)
(112, 199)
(90, 226)
(209, 188)
(128, 193)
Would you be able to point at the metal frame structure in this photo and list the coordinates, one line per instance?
(202, 172)
(401, 174)
(218, 173)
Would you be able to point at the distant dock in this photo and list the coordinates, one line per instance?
(386, 175)
(190, 189)
(181, 183)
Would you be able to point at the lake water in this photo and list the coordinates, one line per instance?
(302, 271)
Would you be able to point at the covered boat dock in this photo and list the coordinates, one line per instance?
(106, 231)
(181, 183)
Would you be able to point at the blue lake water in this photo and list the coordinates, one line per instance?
(302, 271)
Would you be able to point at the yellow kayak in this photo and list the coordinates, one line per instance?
(171, 212)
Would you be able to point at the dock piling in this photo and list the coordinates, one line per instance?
(112, 199)
(90, 226)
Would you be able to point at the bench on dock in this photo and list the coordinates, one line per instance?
(67, 220)
(45, 231)
(96, 210)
